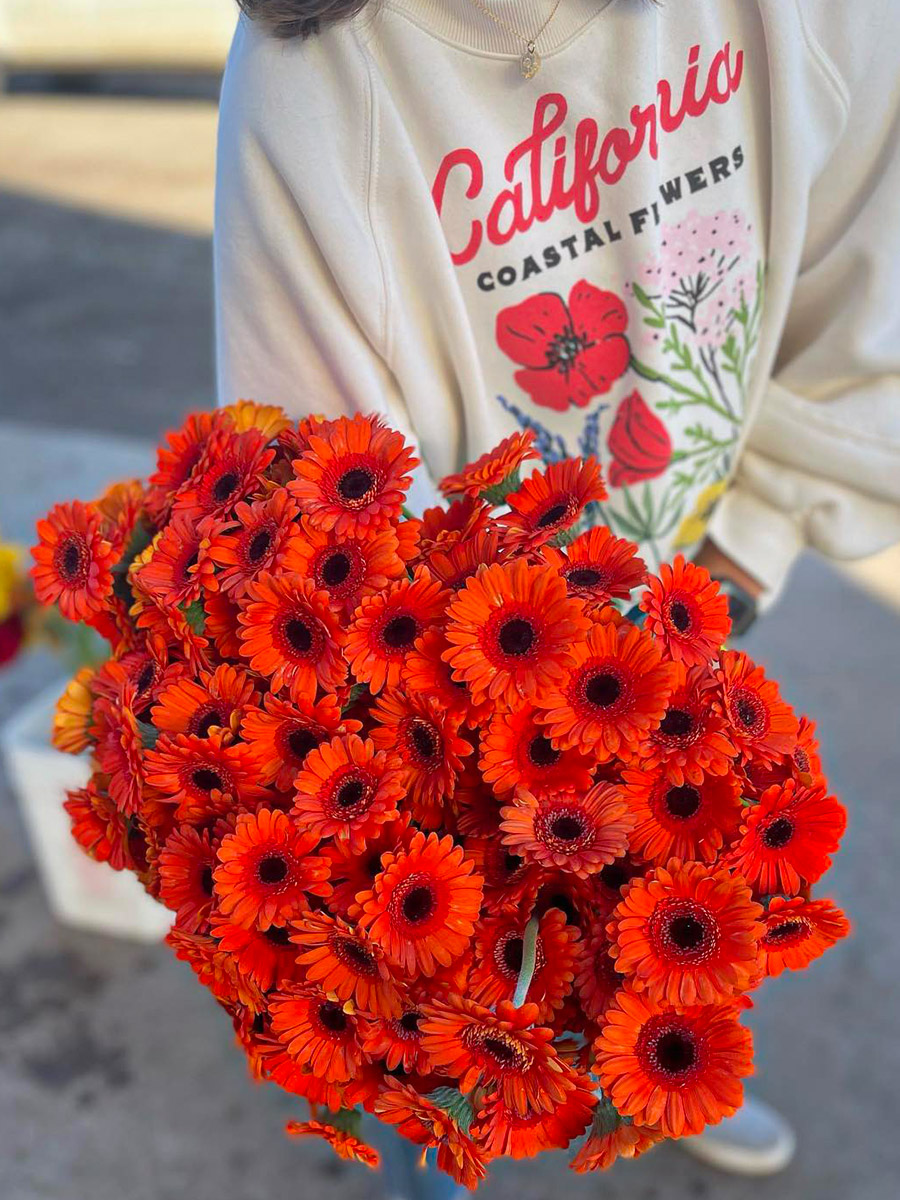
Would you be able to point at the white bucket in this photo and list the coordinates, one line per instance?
(81, 892)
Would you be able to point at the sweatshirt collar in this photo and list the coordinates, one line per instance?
(463, 24)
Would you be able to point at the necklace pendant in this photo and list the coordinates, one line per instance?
(530, 62)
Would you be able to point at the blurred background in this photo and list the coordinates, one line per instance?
(118, 1077)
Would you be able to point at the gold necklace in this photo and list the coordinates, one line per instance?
(530, 62)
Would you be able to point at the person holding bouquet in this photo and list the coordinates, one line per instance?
(663, 235)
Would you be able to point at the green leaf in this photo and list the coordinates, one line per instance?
(626, 526)
(453, 1102)
(347, 1120)
(356, 691)
(149, 734)
(195, 616)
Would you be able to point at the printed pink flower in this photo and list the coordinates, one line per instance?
(569, 354)
(639, 443)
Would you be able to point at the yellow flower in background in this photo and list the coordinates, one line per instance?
(693, 527)
(12, 578)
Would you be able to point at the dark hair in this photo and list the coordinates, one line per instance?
(301, 18)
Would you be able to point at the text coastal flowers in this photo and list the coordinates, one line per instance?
(451, 839)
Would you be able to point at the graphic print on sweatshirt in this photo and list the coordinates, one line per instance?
(614, 275)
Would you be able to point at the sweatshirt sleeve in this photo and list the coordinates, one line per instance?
(821, 464)
(300, 296)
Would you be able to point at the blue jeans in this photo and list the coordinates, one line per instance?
(402, 1173)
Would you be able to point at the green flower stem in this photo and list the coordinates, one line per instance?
(693, 397)
(529, 958)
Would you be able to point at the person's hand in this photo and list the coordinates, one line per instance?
(720, 566)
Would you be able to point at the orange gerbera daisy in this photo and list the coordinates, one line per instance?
(611, 1137)
(687, 934)
(346, 962)
(72, 716)
(283, 734)
(73, 561)
(692, 739)
(616, 691)
(344, 1144)
(424, 904)
(502, 1048)
(580, 833)
(231, 469)
(98, 826)
(218, 700)
(788, 837)
(216, 970)
(386, 627)
(425, 670)
(353, 872)
(686, 821)
(798, 931)
(551, 501)
(354, 476)
(597, 981)
(516, 752)
(452, 565)
(761, 724)
(396, 1042)
(267, 870)
(290, 634)
(178, 564)
(679, 1070)
(508, 877)
(317, 1032)
(204, 776)
(118, 746)
(598, 567)
(502, 1132)
(222, 624)
(498, 950)
(687, 612)
(346, 566)
(185, 867)
(269, 419)
(254, 542)
(424, 736)
(265, 956)
(176, 460)
(346, 790)
(513, 632)
(443, 527)
(802, 764)
(494, 473)
(425, 1123)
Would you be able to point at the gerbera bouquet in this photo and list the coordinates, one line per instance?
(455, 834)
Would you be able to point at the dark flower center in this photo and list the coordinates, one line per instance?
(749, 710)
(779, 833)
(785, 931)
(541, 751)
(300, 742)
(418, 904)
(565, 904)
(208, 721)
(298, 634)
(224, 486)
(355, 483)
(567, 827)
(682, 802)
(516, 636)
(425, 739)
(603, 690)
(350, 794)
(586, 577)
(71, 558)
(676, 723)
(206, 880)
(615, 875)
(409, 1022)
(563, 350)
(358, 955)
(400, 631)
(332, 1016)
(145, 678)
(553, 516)
(278, 935)
(272, 869)
(512, 955)
(512, 863)
(335, 569)
(259, 545)
(680, 616)
(675, 1053)
(686, 932)
(205, 778)
(801, 759)
(502, 1051)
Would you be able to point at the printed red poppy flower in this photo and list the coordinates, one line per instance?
(677, 1069)
(598, 567)
(254, 542)
(73, 561)
(797, 931)
(639, 443)
(569, 353)
(496, 471)
(354, 475)
(687, 612)
(687, 934)
(788, 838)
(267, 870)
(551, 501)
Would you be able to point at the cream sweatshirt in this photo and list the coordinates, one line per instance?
(676, 246)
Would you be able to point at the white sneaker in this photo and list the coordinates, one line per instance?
(755, 1141)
